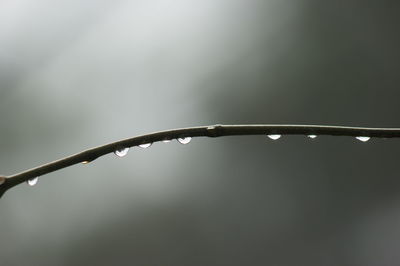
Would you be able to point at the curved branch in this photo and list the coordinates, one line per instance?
(7, 182)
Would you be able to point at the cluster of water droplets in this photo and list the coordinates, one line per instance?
(313, 136)
(124, 151)
(278, 136)
(184, 140)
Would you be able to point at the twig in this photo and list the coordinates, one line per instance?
(7, 182)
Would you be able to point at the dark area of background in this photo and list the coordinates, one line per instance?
(76, 74)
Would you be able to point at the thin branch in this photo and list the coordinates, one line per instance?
(7, 182)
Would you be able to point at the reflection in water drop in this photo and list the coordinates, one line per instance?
(166, 140)
(274, 136)
(363, 138)
(185, 140)
(85, 162)
(312, 136)
(32, 181)
(121, 152)
(145, 145)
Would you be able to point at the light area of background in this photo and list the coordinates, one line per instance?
(76, 74)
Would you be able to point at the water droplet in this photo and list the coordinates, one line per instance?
(312, 136)
(184, 140)
(121, 152)
(363, 138)
(145, 145)
(274, 136)
(166, 140)
(85, 162)
(32, 181)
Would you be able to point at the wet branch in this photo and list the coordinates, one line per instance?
(7, 182)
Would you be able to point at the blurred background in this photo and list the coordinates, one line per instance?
(77, 74)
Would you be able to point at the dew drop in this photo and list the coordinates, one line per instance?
(312, 136)
(32, 181)
(121, 152)
(166, 140)
(363, 138)
(145, 145)
(85, 162)
(274, 136)
(184, 140)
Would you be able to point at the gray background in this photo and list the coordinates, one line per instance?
(76, 74)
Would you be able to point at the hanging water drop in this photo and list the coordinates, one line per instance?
(363, 138)
(166, 140)
(312, 136)
(184, 140)
(121, 152)
(85, 162)
(32, 181)
(274, 136)
(145, 145)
